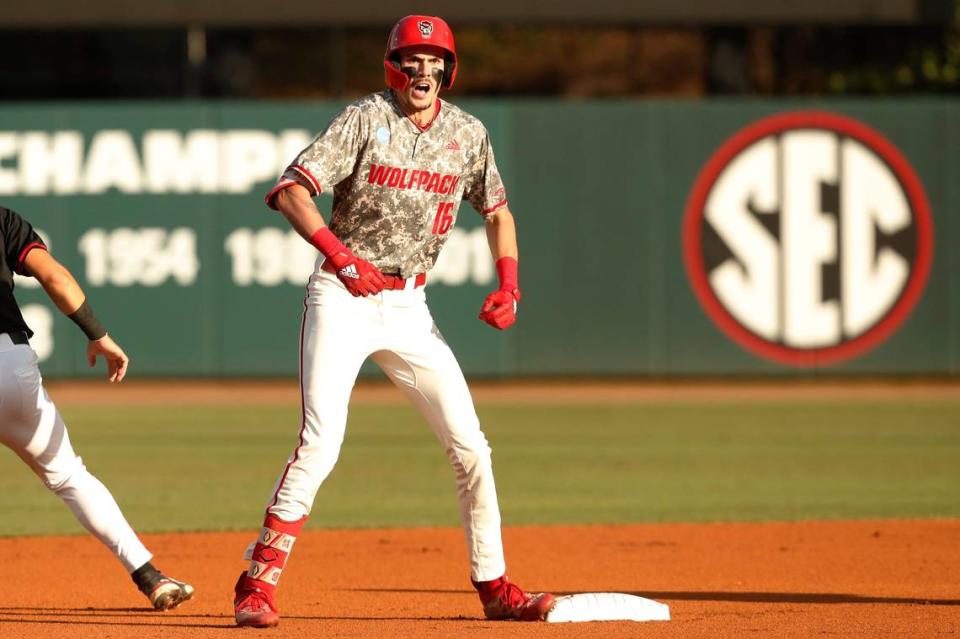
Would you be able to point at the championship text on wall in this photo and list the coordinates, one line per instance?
(663, 239)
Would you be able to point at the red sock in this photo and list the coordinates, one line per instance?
(489, 589)
(271, 551)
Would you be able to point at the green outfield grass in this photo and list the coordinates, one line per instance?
(212, 468)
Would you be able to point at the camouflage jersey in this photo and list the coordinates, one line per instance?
(397, 188)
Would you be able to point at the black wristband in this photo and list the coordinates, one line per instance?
(88, 322)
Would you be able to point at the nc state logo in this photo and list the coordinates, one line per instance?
(426, 28)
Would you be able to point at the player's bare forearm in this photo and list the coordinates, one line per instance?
(502, 234)
(296, 205)
(66, 293)
(499, 309)
(56, 280)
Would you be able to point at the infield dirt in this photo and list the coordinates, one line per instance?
(805, 579)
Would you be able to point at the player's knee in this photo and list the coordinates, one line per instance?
(63, 475)
(470, 455)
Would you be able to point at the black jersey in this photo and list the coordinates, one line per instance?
(18, 239)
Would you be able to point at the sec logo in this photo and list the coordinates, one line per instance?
(807, 238)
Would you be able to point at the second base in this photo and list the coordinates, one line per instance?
(607, 606)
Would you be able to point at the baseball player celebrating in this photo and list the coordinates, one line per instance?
(399, 163)
(30, 424)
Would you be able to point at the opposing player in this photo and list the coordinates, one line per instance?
(30, 424)
(399, 162)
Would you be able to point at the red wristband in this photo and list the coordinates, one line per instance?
(507, 272)
(326, 242)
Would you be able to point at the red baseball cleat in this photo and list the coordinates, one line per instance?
(252, 606)
(503, 599)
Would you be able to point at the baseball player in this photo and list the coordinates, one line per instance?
(399, 163)
(30, 424)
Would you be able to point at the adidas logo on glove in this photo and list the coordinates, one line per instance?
(350, 270)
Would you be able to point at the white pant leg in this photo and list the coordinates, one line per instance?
(339, 332)
(421, 364)
(31, 426)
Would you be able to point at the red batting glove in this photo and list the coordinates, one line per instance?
(500, 307)
(360, 277)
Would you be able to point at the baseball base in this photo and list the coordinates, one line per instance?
(607, 606)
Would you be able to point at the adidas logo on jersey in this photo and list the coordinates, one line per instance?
(452, 145)
(350, 270)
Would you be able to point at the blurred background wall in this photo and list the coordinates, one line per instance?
(605, 48)
(141, 139)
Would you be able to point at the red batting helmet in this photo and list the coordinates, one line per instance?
(413, 31)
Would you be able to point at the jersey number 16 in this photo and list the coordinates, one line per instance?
(444, 219)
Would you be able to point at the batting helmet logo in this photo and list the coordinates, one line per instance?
(808, 238)
(425, 27)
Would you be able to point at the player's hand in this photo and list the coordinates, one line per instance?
(117, 360)
(500, 308)
(360, 277)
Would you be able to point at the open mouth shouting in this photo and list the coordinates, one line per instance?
(421, 89)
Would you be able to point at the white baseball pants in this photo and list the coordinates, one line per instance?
(31, 426)
(396, 329)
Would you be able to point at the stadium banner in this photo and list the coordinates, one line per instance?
(660, 238)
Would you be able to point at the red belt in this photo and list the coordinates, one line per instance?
(393, 283)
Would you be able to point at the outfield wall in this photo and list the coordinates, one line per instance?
(657, 238)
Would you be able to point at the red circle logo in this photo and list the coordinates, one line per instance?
(807, 238)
